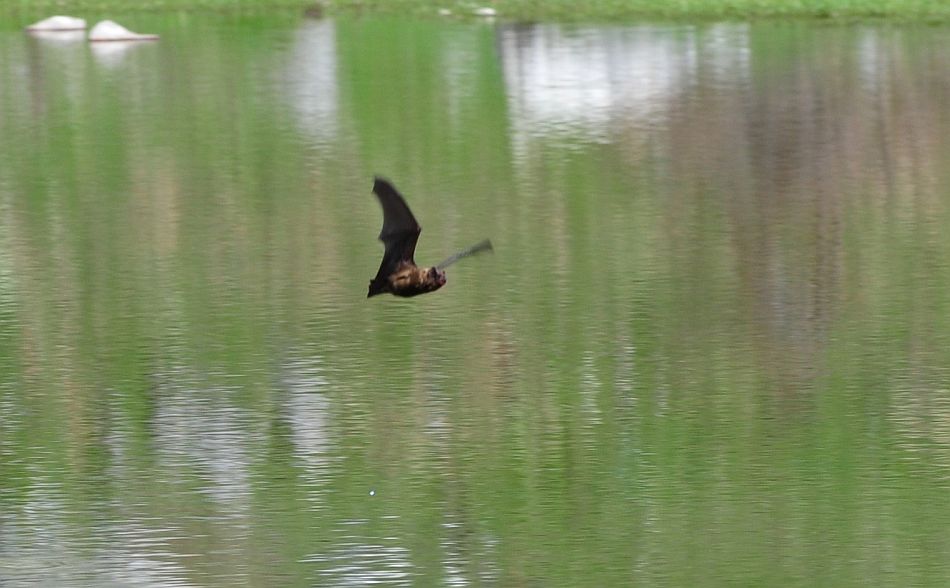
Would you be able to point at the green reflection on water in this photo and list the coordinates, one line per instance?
(710, 348)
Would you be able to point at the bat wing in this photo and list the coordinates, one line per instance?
(400, 229)
(476, 248)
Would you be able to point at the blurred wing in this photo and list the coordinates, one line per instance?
(400, 229)
(476, 248)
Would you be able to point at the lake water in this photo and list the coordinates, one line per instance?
(712, 347)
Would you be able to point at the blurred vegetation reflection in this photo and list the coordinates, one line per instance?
(712, 347)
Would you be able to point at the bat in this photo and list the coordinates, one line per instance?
(398, 273)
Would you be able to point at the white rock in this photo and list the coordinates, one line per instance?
(485, 11)
(58, 23)
(108, 30)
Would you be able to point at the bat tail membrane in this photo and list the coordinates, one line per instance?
(476, 248)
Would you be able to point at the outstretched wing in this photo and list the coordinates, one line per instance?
(476, 248)
(400, 229)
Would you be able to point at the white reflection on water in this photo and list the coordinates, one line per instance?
(143, 555)
(462, 561)
(460, 68)
(590, 389)
(59, 37)
(205, 443)
(358, 560)
(8, 285)
(113, 54)
(571, 81)
(307, 411)
(310, 79)
(920, 409)
(39, 69)
(138, 549)
(199, 430)
(581, 82)
(35, 540)
(43, 542)
(871, 59)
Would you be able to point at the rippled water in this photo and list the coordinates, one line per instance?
(712, 347)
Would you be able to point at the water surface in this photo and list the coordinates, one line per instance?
(712, 347)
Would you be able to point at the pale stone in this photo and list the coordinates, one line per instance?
(108, 30)
(58, 23)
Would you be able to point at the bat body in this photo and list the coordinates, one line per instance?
(398, 273)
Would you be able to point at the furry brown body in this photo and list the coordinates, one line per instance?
(409, 280)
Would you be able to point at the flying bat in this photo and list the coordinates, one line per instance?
(398, 273)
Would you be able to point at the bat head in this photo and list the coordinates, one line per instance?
(436, 277)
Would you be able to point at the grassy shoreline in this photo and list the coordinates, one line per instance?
(935, 11)
(626, 10)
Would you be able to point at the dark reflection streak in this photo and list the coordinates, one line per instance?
(37, 78)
